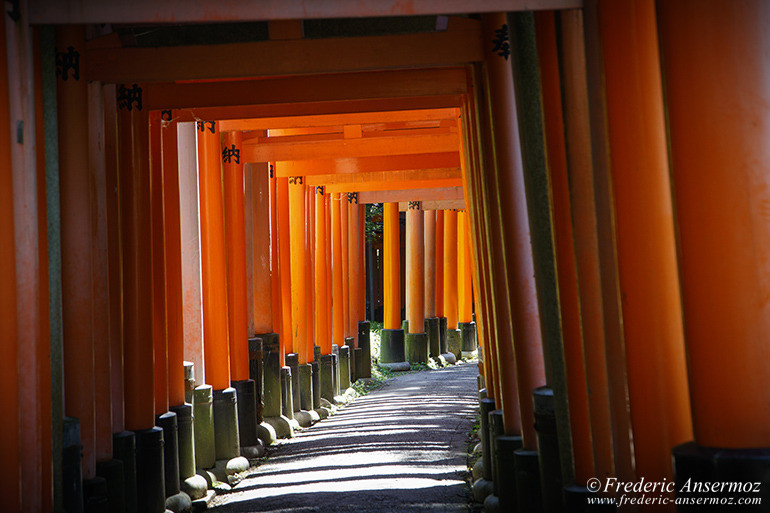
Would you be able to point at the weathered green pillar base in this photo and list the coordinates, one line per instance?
(454, 343)
(123, 450)
(326, 378)
(256, 370)
(392, 347)
(168, 423)
(203, 427)
(716, 465)
(316, 353)
(468, 340)
(150, 495)
(405, 326)
(316, 380)
(185, 440)
(495, 424)
(245, 391)
(485, 407)
(112, 473)
(358, 363)
(305, 415)
(506, 485)
(350, 342)
(292, 361)
(226, 437)
(72, 476)
(95, 499)
(442, 334)
(271, 376)
(548, 450)
(189, 381)
(364, 342)
(432, 328)
(344, 368)
(287, 394)
(527, 472)
(416, 347)
(336, 369)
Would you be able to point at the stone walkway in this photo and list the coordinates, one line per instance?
(401, 448)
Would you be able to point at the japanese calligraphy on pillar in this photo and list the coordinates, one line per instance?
(127, 98)
(295, 180)
(319, 190)
(353, 198)
(502, 42)
(414, 205)
(230, 154)
(165, 115)
(203, 125)
(67, 62)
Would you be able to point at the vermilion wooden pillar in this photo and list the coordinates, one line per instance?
(321, 278)
(649, 277)
(275, 267)
(464, 290)
(261, 233)
(391, 278)
(362, 265)
(439, 263)
(344, 258)
(717, 89)
(415, 265)
(430, 263)
(354, 266)
(298, 267)
(580, 423)
(310, 271)
(450, 268)
(235, 238)
(284, 262)
(338, 319)
(76, 246)
(213, 257)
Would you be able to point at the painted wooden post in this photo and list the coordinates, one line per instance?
(284, 263)
(260, 239)
(321, 278)
(338, 319)
(392, 317)
(430, 263)
(354, 266)
(298, 267)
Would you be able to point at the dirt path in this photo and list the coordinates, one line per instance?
(401, 448)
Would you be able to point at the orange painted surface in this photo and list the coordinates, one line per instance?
(275, 268)
(464, 286)
(136, 225)
(577, 391)
(284, 262)
(329, 269)
(338, 315)
(354, 267)
(260, 239)
(158, 268)
(344, 246)
(174, 285)
(450, 268)
(361, 267)
(715, 69)
(76, 251)
(310, 270)
(652, 315)
(439, 263)
(415, 269)
(10, 471)
(320, 290)
(298, 267)
(216, 348)
(235, 241)
(430, 263)
(391, 272)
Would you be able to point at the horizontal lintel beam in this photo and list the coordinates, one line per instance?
(397, 196)
(454, 204)
(394, 186)
(385, 176)
(367, 164)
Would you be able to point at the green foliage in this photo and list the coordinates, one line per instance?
(373, 223)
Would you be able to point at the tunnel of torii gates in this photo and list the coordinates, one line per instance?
(183, 235)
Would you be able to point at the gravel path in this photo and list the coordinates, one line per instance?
(401, 448)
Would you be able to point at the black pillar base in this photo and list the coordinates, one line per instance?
(350, 342)
(507, 485)
(112, 472)
(527, 480)
(416, 347)
(344, 353)
(168, 423)
(292, 361)
(124, 450)
(432, 329)
(392, 346)
(287, 395)
(271, 375)
(495, 426)
(150, 481)
(486, 406)
(95, 495)
(315, 367)
(185, 441)
(305, 379)
(468, 340)
(256, 369)
(364, 343)
(442, 334)
(245, 391)
(695, 465)
(72, 473)
(358, 363)
(327, 377)
(548, 450)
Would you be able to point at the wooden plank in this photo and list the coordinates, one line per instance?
(367, 164)
(428, 194)
(459, 45)
(317, 88)
(395, 186)
(456, 204)
(385, 176)
(204, 11)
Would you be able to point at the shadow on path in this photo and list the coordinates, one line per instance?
(399, 449)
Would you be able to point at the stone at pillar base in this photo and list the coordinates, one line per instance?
(226, 437)
(179, 503)
(305, 372)
(327, 377)
(527, 472)
(468, 342)
(189, 381)
(281, 426)
(292, 361)
(185, 440)
(245, 391)
(287, 394)
(350, 342)
(705, 464)
(344, 368)
(447, 359)
(416, 347)
(358, 363)
(442, 335)
(453, 342)
(392, 348)
(271, 376)
(150, 493)
(432, 327)
(112, 473)
(481, 489)
(306, 418)
(364, 342)
(168, 423)
(397, 366)
(203, 427)
(336, 369)
(195, 487)
(491, 504)
(124, 450)
(256, 373)
(315, 368)
(72, 476)
(255, 451)
(226, 471)
(266, 433)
